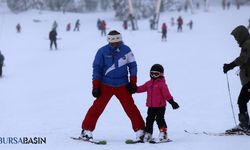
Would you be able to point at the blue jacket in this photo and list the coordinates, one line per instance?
(111, 65)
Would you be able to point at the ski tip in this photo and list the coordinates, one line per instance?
(163, 141)
(98, 142)
(129, 141)
(104, 142)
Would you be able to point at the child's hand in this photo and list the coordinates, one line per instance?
(174, 104)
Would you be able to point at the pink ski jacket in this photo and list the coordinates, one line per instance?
(157, 92)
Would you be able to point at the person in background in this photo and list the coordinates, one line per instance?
(103, 28)
(77, 25)
(68, 27)
(190, 24)
(164, 32)
(1, 63)
(18, 28)
(179, 23)
(53, 38)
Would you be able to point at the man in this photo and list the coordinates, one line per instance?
(1, 63)
(110, 77)
(242, 36)
(53, 38)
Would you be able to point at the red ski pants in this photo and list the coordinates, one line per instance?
(126, 100)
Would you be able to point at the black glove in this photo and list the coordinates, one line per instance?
(131, 88)
(174, 104)
(96, 92)
(228, 67)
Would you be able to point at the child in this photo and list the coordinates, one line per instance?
(164, 32)
(157, 95)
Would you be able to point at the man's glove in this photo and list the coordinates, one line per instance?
(228, 67)
(96, 91)
(131, 86)
(174, 104)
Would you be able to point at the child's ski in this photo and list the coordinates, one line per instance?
(130, 141)
(160, 141)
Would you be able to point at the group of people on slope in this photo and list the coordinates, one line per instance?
(115, 73)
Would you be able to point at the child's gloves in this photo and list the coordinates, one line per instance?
(174, 104)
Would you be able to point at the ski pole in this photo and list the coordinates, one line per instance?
(230, 98)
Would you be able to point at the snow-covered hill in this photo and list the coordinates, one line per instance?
(47, 93)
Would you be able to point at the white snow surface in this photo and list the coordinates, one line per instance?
(47, 93)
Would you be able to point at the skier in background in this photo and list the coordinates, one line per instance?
(54, 25)
(131, 18)
(179, 23)
(1, 64)
(68, 27)
(53, 38)
(190, 24)
(125, 25)
(223, 4)
(111, 66)
(238, 4)
(242, 36)
(103, 28)
(18, 28)
(99, 22)
(228, 5)
(164, 32)
(157, 95)
(77, 25)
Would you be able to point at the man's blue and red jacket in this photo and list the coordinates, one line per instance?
(111, 66)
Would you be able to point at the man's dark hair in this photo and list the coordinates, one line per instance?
(113, 32)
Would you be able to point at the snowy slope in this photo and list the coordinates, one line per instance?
(47, 93)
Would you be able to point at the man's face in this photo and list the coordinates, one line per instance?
(115, 45)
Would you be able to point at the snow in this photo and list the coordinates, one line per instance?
(47, 93)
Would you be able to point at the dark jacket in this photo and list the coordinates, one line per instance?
(52, 35)
(242, 36)
(1, 59)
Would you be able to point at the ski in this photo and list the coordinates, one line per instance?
(158, 141)
(99, 142)
(238, 133)
(130, 141)
(153, 141)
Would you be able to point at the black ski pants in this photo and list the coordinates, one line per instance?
(244, 98)
(1, 69)
(155, 114)
(164, 35)
(53, 42)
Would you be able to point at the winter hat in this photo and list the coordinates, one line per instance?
(156, 71)
(157, 67)
(241, 34)
(114, 36)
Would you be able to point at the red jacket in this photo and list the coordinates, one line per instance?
(157, 92)
(164, 27)
(103, 25)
